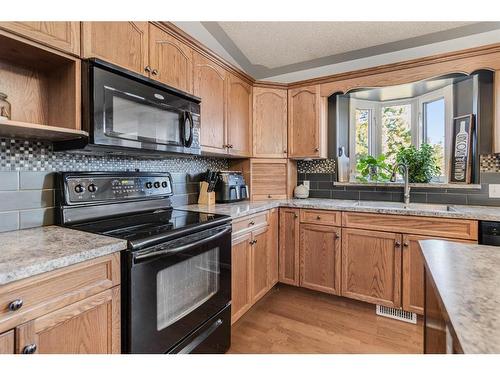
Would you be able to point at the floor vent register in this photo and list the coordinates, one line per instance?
(398, 314)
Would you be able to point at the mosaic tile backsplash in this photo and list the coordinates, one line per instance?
(27, 183)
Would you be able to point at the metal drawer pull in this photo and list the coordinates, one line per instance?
(147, 69)
(318, 217)
(16, 304)
(29, 349)
(155, 72)
(251, 223)
(406, 244)
(398, 244)
(337, 236)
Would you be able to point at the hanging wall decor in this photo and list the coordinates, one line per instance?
(461, 157)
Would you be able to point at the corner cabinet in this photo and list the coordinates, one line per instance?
(171, 61)
(307, 123)
(210, 84)
(64, 36)
(270, 111)
(289, 246)
(73, 310)
(121, 43)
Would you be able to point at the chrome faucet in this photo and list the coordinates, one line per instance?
(403, 169)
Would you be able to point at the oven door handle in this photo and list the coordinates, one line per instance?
(153, 254)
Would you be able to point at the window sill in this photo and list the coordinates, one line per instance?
(416, 185)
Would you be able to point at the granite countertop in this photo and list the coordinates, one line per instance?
(467, 279)
(29, 252)
(240, 209)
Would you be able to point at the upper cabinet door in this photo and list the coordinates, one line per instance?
(307, 123)
(239, 116)
(269, 123)
(171, 61)
(210, 85)
(121, 43)
(64, 36)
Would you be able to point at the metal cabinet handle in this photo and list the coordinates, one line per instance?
(318, 217)
(295, 216)
(29, 349)
(253, 242)
(155, 72)
(251, 223)
(406, 244)
(284, 151)
(147, 69)
(269, 196)
(316, 149)
(397, 244)
(337, 236)
(230, 146)
(16, 304)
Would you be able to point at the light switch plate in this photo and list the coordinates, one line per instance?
(494, 191)
(307, 184)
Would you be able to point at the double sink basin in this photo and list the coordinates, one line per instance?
(410, 206)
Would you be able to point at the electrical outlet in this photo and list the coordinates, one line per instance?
(494, 191)
(307, 184)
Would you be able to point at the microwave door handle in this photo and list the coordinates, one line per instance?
(188, 118)
(159, 253)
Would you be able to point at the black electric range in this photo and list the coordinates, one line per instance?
(176, 272)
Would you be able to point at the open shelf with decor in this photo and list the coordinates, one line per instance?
(42, 87)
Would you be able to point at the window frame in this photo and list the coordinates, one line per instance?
(417, 123)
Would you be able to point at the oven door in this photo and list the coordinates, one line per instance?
(176, 287)
(133, 114)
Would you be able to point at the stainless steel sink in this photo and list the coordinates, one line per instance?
(411, 206)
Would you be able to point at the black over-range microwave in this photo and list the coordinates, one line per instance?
(127, 113)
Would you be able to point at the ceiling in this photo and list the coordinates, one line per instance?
(268, 49)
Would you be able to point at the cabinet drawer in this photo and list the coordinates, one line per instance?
(321, 217)
(249, 223)
(53, 290)
(428, 226)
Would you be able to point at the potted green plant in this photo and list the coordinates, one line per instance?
(421, 162)
(373, 169)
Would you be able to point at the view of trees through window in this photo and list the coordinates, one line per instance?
(434, 129)
(396, 130)
(362, 125)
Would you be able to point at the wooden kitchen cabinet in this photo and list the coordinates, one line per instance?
(75, 309)
(320, 257)
(7, 342)
(259, 270)
(91, 326)
(210, 84)
(239, 117)
(121, 43)
(240, 276)
(307, 123)
(64, 36)
(270, 123)
(171, 61)
(371, 266)
(289, 246)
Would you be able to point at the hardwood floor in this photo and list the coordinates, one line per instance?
(295, 320)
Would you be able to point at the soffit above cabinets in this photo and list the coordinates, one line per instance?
(266, 50)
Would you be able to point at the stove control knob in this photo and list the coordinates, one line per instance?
(149, 185)
(157, 184)
(164, 184)
(79, 189)
(92, 188)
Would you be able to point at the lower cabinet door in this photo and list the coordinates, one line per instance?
(240, 276)
(272, 247)
(259, 278)
(289, 246)
(413, 272)
(371, 266)
(90, 326)
(7, 342)
(320, 258)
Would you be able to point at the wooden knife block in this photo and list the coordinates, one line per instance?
(205, 196)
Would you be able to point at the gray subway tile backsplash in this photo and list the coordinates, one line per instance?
(36, 180)
(36, 218)
(9, 180)
(9, 221)
(26, 199)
